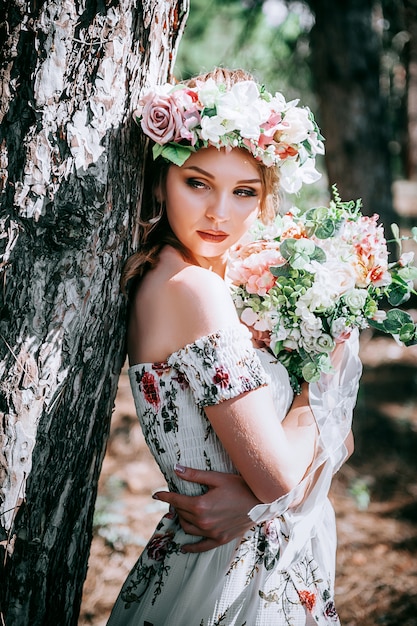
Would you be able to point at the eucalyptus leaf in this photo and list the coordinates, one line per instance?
(311, 372)
(325, 229)
(378, 325)
(397, 294)
(280, 270)
(318, 255)
(304, 246)
(408, 273)
(287, 248)
(299, 260)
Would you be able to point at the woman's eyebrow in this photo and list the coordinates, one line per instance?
(201, 171)
(198, 169)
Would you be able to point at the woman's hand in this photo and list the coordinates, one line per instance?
(219, 516)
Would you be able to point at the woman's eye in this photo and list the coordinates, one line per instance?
(196, 184)
(246, 192)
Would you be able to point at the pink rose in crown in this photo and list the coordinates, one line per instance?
(161, 118)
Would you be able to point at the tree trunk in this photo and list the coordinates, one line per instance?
(411, 25)
(70, 163)
(345, 63)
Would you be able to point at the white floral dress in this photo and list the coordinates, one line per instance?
(281, 572)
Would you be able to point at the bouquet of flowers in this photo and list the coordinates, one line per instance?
(306, 281)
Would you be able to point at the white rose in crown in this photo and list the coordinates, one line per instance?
(296, 125)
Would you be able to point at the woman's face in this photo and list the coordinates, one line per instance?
(211, 201)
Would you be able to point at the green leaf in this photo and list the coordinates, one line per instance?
(316, 214)
(398, 294)
(287, 248)
(311, 372)
(318, 255)
(325, 229)
(378, 325)
(407, 332)
(408, 273)
(395, 231)
(175, 153)
(304, 246)
(157, 151)
(397, 238)
(395, 320)
(209, 111)
(280, 270)
(299, 260)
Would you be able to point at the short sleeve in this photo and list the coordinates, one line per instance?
(220, 366)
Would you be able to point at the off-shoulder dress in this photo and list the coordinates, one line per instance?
(281, 572)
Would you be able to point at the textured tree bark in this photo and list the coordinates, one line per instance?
(70, 180)
(345, 62)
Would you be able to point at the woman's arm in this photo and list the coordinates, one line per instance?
(272, 457)
(219, 515)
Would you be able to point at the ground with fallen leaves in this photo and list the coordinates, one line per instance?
(374, 494)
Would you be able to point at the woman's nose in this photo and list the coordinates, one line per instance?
(218, 208)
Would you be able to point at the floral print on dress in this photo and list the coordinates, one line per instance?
(308, 598)
(220, 366)
(152, 565)
(150, 389)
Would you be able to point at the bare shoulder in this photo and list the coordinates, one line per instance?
(201, 303)
(176, 304)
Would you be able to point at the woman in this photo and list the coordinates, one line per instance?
(206, 396)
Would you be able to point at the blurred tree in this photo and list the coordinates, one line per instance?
(411, 67)
(346, 53)
(349, 54)
(70, 188)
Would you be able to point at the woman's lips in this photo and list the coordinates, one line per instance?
(215, 236)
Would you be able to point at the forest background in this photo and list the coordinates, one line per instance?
(70, 180)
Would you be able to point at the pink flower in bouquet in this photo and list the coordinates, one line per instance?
(250, 265)
(293, 230)
(370, 246)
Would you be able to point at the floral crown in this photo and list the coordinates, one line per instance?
(182, 119)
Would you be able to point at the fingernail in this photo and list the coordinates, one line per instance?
(155, 496)
(180, 469)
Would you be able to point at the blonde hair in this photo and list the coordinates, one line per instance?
(154, 229)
